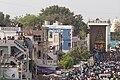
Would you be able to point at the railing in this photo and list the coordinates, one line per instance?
(18, 44)
(17, 53)
(5, 58)
(19, 56)
(10, 28)
(6, 42)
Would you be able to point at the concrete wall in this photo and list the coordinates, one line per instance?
(5, 49)
(54, 41)
(9, 72)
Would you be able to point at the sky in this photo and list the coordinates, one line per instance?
(89, 9)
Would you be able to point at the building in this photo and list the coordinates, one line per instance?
(40, 41)
(77, 42)
(115, 35)
(43, 54)
(99, 35)
(60, 36)
(15, 53)
(115, 21)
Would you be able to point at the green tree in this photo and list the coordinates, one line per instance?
(7, 20)
(1, 18)
(84, 53)
(78, 54)
(79, 24)
(56, 13)
(66, 61)
(29, 20)
(65, 16)
(74, 57)
(82, 34)
(75, 54)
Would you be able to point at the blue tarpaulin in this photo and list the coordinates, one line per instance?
(43, 70)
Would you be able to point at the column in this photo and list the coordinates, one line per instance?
(107, 37)
(9, 50)
(88, 41)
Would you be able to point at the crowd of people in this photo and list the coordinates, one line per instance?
(99, 71)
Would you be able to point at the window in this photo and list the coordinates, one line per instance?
(50, 34)
(69, 44)
(54, 61)
(37, 37)
(39, 54)
(69, 33)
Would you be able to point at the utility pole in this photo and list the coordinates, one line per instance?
(27, 65)
(21, 70)
(0, 61)
(1, 58)
(36, 72)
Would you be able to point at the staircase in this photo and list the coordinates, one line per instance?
(15, 60)
(53, 56)
(22, 51)
(5, 58)
(19, 46)
(19, 54)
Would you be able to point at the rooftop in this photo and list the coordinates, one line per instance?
(99, 21)
(58, 26)
(10, 28)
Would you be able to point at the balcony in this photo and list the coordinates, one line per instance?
(9, 28)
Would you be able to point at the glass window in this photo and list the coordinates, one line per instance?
(69, 44)
(37, 37)
(50, 34)
(69, 33)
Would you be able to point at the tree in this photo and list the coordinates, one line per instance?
(117, 26)
(4, 19)
(7, 20)
(14, 21)
(29, 20)
(66, 61)
(79, 54)
(56, 13)
(79, 24)
(74, 57)
(1, 18)
(84, 53)
(82, 34)
(65, 16)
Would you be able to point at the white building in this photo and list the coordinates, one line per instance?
(112, 29)
(13, 53)
(10, 32)
(114, 42)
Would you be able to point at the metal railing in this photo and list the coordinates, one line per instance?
(18, 44)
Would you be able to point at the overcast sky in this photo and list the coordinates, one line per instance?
(87, 8)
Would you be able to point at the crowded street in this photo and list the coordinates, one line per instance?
(99, 71)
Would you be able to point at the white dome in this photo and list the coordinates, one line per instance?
(116, 20)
